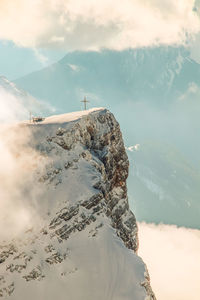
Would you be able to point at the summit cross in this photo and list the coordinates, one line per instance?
(85, 101)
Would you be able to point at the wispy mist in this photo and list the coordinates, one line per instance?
(11, 108)
(18, 187)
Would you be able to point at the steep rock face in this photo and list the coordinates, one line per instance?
(86, 245)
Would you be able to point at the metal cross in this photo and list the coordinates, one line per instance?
(85, 101)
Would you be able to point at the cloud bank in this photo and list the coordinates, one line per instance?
(11, 108)
(173, 258)
(92, 25)
(19, 190)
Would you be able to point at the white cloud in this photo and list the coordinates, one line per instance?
(133, 148)
(173, 258)
(190, 93)
(74, 67)
(17, 192)
(40, 57)
(16, 104)
(18, 163)
(11, 108)
(89, 24)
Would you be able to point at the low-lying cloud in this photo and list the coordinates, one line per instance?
(16, 104)
(173, 258)
(18, 186)
(92, 25)
(11, 108)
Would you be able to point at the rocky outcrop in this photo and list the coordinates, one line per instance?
(102, 144)
(83, 201)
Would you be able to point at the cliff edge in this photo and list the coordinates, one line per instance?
(84, 246)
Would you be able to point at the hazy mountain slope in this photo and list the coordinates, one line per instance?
(156, 75)
(163, 185)
(83, 242)
(22, 102)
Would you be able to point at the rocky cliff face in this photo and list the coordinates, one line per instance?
(86, 245)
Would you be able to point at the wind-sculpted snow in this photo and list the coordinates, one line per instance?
(86, 245)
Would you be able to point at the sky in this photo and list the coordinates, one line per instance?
(16, 61)
(31, 41)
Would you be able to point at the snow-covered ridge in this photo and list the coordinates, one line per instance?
(68, 117)
(86, 245)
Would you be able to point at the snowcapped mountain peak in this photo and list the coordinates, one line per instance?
(85, 244)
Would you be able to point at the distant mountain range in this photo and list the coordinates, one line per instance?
(154, 93)
(159, 75)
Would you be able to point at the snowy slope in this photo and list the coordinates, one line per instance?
(19, 100)
(11, 87)
(68, 117)
(83, 244)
